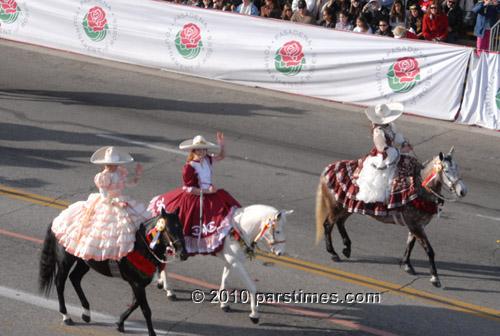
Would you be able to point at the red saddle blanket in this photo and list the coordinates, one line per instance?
(341, 178)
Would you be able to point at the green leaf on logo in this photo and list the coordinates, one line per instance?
(290, 71)
(9, 18)
(96, 36)
(497, 99)
(183, 51)
(395, 84)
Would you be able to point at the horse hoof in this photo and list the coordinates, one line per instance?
(119, 327)
(347, 252)
(255, 320)
(336, 258)
(226, 309)
(172, 297)
(86, 318)
(159, 285)
(436, 283)
(409, 269)
(68, 322)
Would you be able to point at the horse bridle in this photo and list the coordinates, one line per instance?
(274, 242)
(450, 186)
(170, 242)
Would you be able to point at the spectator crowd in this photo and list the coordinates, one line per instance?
(432, 20)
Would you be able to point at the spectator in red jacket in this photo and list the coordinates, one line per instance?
(435, 26)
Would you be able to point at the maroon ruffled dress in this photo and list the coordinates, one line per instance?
(218, 209)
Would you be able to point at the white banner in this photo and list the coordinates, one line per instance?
(481, 105)
(301, 59)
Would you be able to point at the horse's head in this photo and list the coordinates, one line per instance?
(275, 234)
(172, 233)
(449, 175)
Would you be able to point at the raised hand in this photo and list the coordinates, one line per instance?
(221, 140)
(138, 170)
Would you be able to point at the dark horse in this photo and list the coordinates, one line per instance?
(330, 212)
(137, 268)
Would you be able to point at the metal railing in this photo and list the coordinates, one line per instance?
(495, 37)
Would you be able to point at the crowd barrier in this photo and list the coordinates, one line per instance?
(300, 59)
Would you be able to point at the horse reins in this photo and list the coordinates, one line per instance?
(170, 242)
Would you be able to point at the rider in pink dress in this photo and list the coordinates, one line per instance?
(104, 226)
(206, 235)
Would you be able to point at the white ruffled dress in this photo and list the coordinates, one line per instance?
(104, 226)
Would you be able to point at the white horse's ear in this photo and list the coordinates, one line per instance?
(286, 212)
(452, 150)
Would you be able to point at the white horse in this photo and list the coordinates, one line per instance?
(253, 223)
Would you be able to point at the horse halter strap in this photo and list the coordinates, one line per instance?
(271, 223)
(438, 167)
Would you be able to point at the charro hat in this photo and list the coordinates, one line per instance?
(110, 155)
(198, 142)
(384, 113)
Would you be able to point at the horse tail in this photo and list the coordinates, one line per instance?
(320, 212)
(47, 269)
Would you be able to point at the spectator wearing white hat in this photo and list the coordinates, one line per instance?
(375, 12)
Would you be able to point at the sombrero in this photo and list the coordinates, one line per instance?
(198, 142)
(384, 113)
(110, 155)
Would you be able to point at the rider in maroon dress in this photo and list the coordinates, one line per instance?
(206, 235)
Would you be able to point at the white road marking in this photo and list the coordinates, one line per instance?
(489, 217)
(74, 311)
(143, 144)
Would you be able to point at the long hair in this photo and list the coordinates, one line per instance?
(439, 6)
(191, 156)
(395, 15)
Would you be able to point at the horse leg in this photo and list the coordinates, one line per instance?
(140, 295)
(76, 277)
(61, 276)
(225, 274)
(328, 239)
(345, 237)
(422, 239)
(410, 242)
(165, 285)
(133, 306)
(254, 315)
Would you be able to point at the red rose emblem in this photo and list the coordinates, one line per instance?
(291, 53)
(9, 6)
(96, 19)
(190, 36)
(406, 69)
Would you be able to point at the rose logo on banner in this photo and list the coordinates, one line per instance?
(95, 24)
(188, 41)
(403, 75)
(289, 59)
(9, 11)
(497, 99)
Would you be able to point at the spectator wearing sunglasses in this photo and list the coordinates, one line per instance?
(435, 25)
(455, 16)
(384, 29)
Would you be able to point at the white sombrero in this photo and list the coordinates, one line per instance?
(198, 142)
(110, 155)
(384, 113)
